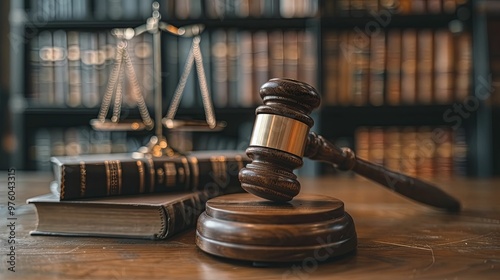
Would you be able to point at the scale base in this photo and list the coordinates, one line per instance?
(245, 227)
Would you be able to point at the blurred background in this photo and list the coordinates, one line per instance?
(408, 84)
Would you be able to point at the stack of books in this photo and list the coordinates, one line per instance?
(118, 195)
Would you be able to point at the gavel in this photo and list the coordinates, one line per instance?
(272, 222)
(281, 138)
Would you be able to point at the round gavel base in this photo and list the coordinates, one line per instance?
(245, 227)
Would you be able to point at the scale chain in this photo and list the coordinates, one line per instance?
(111, 84)
(118, 98)
(209, 110)
(194, 54)
(136, 90)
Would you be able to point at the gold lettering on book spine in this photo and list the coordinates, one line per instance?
(83, 179)
(171, 174)
(113, 177)
(120, 174)
(151, 175)
(140, 169)
(108, 175)
(186, 171)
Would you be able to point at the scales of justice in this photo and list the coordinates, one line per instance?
(272, 222)
(123, 66)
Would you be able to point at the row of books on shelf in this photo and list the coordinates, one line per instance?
(220, 9)
(42, 11)
(420, 151)
(400, 66)
(72, 69)
(356, 8)
(55, 10)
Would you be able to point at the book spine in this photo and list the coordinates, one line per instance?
(183, 214)
(377, 69)
(86, 179)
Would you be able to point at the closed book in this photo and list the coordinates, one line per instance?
(377, 69)
(393, 96)
(408, 66)
(150, 216)
(443, 67)
(331, 57)
(88, 176)
(425, 53)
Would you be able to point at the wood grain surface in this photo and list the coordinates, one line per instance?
(397, 239)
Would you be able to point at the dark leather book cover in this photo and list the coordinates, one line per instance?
(90, 176)
(148, 216)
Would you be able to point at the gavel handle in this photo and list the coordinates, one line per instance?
(320, 149)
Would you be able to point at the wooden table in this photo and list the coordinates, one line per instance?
(398, 239)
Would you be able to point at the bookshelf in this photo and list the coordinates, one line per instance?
(377, 65)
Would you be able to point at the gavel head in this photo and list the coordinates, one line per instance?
(279, 139)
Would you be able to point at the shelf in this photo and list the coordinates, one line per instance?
(239, 23)
(344, 120)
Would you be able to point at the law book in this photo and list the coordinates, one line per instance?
(220, 68)
(89, 64)
(331, 67)
(376, 139)
(46, 72)
(361, 71)
(35, 66)
(74, 98)
(346, 61)
(59, 52)
(393, 96)
(377, 69)
(409, 149)
(463, 58)
(443, 67)
(88, 176)
(291, 54)
(425, 155)
(245, 73)
(392, 148)
(260, 60)
(425, 52)
(150, 216)
(307, 58)
(443, 160)
(231, 69)
(408, 66)
(276, 54)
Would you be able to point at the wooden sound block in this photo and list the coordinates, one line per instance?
(245, 227)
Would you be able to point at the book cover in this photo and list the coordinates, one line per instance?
(88, 176)
(150, 216)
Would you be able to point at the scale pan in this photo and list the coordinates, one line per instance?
(191, 125)
(125, 125)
